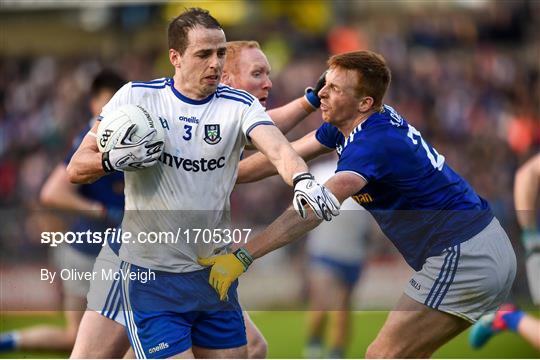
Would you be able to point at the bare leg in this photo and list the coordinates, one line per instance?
(188, 354)
(257, 346)
(233, 353)
(316, 323)
(340, 329)
(400, 335)
(130, 354)
(47, 337)
(529, 328)
(100, 337)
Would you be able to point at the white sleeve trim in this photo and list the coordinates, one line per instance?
(355, 173)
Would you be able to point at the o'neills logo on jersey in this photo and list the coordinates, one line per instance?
(363, 198)
(191, 119)
(201, 164)
(161, 346)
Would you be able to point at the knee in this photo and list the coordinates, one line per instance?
(376, 350)
(381, 350)
(258, 348)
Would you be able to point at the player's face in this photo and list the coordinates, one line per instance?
(339, 102)
(252, 74)
(200, 67)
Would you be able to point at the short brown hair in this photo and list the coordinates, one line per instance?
(373, 74)
(234, 49)
(179, 27)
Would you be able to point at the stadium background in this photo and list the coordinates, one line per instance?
(465, 73)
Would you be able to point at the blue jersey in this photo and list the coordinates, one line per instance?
(108, 191)
(420, 203)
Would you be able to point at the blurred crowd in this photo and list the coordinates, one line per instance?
(467, 79)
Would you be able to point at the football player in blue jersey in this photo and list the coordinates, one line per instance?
(103, 205)
(465, 264)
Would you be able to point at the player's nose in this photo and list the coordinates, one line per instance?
(267, 85)
(323, 93)
(215, 62)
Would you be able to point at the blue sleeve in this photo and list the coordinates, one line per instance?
(75, 144)
(364, 158)
(327, 135)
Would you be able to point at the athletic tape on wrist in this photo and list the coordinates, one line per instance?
(244, 257)
(302, 176)
(106, 163)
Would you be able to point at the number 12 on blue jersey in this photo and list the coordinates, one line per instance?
(434, 157)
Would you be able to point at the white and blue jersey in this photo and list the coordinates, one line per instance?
(108, 191)
(419, 202)
(187, 190)
(191, 184)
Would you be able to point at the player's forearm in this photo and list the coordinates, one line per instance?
(85, 167)
(284, 230)
(71, 201)
(257, 166)
(288, 116)
(289, 163)
(254, 168)
(526, 192)
(65, 198)
(271, 142)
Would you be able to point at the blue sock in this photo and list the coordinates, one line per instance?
(336, 353)
(315, 341)
(314, 348)
(8, 341)
(513, 318)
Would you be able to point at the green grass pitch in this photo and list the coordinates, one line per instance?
(285, 332)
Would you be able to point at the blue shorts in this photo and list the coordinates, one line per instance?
(165, 316)
(348, 273)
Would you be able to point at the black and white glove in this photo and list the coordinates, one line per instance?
(308, 192)
(127, 155)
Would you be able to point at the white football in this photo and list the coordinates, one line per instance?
(112, 125)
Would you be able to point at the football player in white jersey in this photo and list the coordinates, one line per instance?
(206, 126)
(102, 331)
(247, 68)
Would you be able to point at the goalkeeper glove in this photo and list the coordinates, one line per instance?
(127, 155)
(226, 269)
(312, 93)
(308, 192)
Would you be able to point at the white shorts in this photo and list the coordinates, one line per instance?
(533, 275)
(105, 295)
(68, 258)
(468, 279)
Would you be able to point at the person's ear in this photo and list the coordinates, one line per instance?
(365, 104)
(175, 58)
(226, 78)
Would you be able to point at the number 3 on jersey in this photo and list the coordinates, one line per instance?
(434, 157)
(187, 132)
